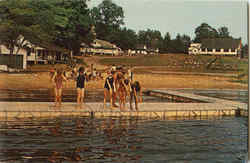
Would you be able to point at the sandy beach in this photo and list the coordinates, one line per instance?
(148, 79)
(41, 80)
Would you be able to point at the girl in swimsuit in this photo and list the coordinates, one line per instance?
(58, 79)
(80, 84)
(109, 89)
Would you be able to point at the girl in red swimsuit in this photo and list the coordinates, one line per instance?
(58, 79)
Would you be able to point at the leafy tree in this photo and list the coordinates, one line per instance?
(73, 24)
(186, 41)
(125, 38)
(44, 22)
(108, 18)
(150, 38)
(18, 18)
(205, 31)
(166, 43)
(179, 45)
(223, 32)
(244, 51)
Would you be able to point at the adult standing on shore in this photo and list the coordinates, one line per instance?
(80, 85)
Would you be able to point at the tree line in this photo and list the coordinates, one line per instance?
(69, 23)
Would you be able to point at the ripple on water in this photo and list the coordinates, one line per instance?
(125, 140)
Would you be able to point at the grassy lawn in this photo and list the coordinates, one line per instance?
(44, 67)
(181, 62)
(47, 67)
(185, 63)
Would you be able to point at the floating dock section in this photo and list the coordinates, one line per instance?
(184, 105)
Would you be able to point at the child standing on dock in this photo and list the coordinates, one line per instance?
(135, 94)
(130, 74)
(109, 89)
(58, 79)
(80, 84)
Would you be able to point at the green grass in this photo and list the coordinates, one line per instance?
(171, 60)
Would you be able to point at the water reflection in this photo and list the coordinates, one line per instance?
(124, 139)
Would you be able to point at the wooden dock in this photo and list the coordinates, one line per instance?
(190, 106)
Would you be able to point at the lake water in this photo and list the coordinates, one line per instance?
(233, 95)
(132, 140)
(97, 96)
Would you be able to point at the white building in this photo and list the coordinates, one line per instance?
(142, 49)
(4, 51)
(100, 47)
(218, 46)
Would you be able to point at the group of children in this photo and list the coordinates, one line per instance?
(119, 82)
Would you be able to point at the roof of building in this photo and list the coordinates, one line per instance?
(221, 43)
(100, 44)
(105, 44)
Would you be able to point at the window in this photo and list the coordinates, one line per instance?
(28, 53)
(39, 52)
(32, 50)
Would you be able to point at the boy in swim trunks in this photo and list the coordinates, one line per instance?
(80, 84)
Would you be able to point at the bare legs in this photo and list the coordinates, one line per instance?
(58, 96)
(133, 96)
(106, 94)
(122, 99)
(80, 95)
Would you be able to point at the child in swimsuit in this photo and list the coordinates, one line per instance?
(109, 89)
(58, 79)
(135, 92)
(80, 84)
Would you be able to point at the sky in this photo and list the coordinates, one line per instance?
(183, 16)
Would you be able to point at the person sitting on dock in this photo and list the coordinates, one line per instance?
(80, 84)
(135, 94)
(109, 89)
(58, 79)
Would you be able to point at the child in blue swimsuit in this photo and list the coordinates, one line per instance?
(109, 89)
(135, 94)
(80, 84)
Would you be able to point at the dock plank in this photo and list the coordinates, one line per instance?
(213, 106)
